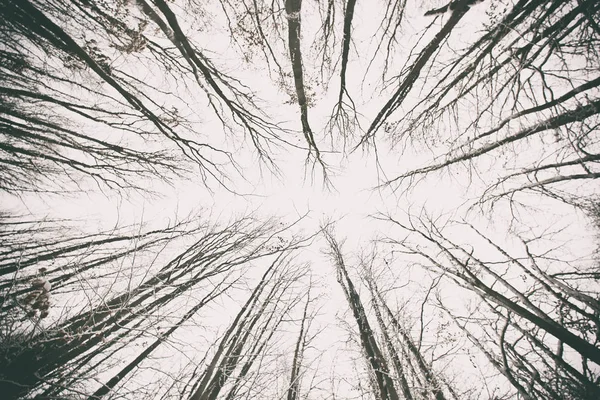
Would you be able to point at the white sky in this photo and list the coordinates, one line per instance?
(351, 201)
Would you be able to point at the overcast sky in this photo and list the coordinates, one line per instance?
(353, 196)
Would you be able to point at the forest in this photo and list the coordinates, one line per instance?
(288, 199)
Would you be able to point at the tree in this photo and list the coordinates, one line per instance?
(253, 327)
(42, 145)
(532, 297)
(60, 139)
(384, 384)
(424, 376)
(51, 361)
(132, 97)
(396, 359)
(532, 75)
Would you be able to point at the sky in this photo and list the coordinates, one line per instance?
(353, 197)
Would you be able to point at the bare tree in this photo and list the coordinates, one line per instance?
(384, 385)
(304, 339)
(413, 72)
(522, 96)
(254, 325)
(60, 137)
(45, 143)
(418, 369)
(531, 298)
(62, 355)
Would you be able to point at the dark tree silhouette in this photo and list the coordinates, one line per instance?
(50, 361)
(533, 76)
(385, 386)
(542, 314)
(132, 97)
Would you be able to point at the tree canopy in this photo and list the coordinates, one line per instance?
(299, 199)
